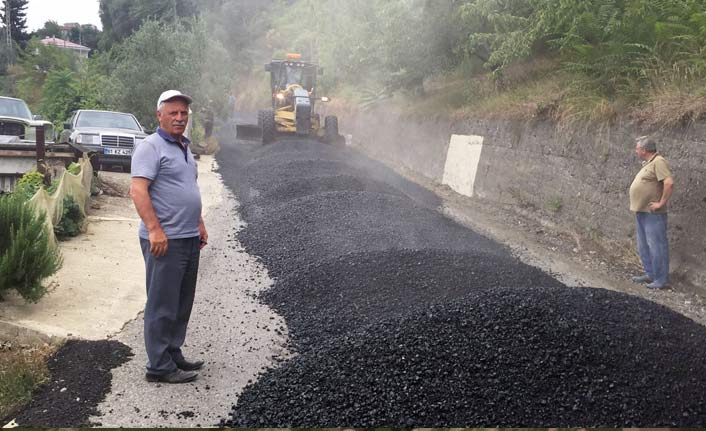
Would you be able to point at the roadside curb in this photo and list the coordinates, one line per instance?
(14, 333)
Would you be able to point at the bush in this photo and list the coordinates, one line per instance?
(26, 255)
(71, 223)
(29, 184)
(74, 168)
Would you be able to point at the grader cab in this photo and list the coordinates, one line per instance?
(294, 100)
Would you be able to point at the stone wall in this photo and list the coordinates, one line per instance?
(579, 178)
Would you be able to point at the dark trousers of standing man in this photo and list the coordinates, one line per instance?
(171, 286)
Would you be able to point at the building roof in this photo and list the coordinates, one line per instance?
(61, 43)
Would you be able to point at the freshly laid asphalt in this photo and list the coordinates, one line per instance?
(400, 317)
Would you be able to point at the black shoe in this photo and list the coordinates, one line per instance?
(189, 366)
(657, 286)
(639, 279)
(177, 376)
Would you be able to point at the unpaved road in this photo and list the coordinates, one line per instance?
(229, 330)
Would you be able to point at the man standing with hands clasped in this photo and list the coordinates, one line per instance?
(649, 194)
(172, 233)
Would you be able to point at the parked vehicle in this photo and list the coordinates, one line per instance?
(111, 136)
(17, 120)
(18, 144)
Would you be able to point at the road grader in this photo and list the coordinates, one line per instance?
(294, 100)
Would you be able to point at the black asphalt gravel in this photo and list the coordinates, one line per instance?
(80, 377)
(330, 298)
(402, 318)
(498, 357)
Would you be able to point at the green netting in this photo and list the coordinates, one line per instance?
(76, 186)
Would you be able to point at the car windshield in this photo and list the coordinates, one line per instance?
(14, 108)
(108, 120)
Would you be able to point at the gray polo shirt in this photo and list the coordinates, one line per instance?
(174, 191)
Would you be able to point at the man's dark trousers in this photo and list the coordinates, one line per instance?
(171, 286)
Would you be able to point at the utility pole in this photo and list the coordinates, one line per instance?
(8, 31)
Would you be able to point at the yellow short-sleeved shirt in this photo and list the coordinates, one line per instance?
(648, 184)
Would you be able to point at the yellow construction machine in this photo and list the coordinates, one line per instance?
(294, 99)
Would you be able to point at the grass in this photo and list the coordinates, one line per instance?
(542, 89)
(671, 107)
(22, 369)
(555, 204)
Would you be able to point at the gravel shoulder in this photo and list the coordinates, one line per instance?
(572, 259)
(229, 329)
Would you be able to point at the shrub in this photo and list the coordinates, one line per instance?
(74, 168)
(29, 184)
(71, 222)
(26, 255)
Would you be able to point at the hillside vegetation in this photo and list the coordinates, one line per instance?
(565, 60)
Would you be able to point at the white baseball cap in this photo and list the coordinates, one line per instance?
(173, 94)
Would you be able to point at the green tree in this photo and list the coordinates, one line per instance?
(160, 56)
(413, 39)
(60, 96)
(93, 82)
(497, 30)
(122, 18)
(32, 69)
(50, 29)
(17, 10)
(89, 37)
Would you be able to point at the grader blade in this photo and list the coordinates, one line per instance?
(248, 132)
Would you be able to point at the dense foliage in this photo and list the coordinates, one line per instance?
(17, 10)
(170, 56)
(71, 224)
(608, 49)
(122, 18)
(635, 51)
(27, 256)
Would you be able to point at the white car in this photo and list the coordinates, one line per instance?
(111, 135)
(18, 125)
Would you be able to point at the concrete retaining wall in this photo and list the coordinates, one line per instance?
(578, 178)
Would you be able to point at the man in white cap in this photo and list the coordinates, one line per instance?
(172, 233)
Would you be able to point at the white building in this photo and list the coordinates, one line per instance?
(80, 50)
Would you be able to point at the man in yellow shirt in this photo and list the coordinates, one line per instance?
(649, 194)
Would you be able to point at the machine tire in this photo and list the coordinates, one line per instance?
(331, 129)
(266, 120)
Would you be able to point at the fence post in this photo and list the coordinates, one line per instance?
(41, 153)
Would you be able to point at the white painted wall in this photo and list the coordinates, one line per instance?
(462, 163)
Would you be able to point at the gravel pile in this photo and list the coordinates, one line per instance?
(306, 230)
(508, 357)
(330, 298)
(298, 188)
(80, 377)
(401, 317)
(252, 171)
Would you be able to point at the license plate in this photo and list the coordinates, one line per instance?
(118, 151)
